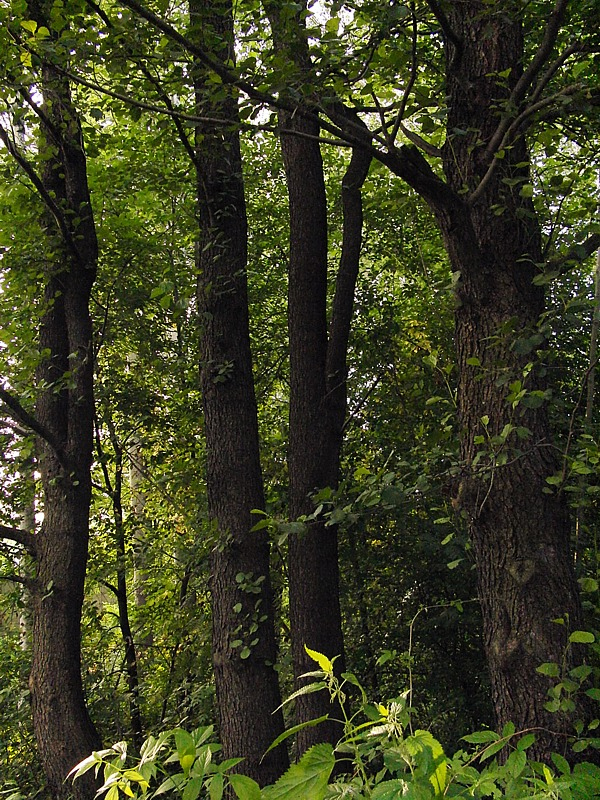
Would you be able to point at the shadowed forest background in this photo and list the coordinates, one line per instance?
(298, 341)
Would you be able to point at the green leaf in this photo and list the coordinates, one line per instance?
(244, 787)
(308, 689)
(307, 779)
(526, 741)
(325, 664)
(29, 25)
(215, 790)
(549, 668)
(422, 740)
(516, 762)
(396, 789)
(492, 750)
(186, 749)
(192, 789)
(480, 737)
(85, 765)
(294, 729)
(561, 763)
(582, 637)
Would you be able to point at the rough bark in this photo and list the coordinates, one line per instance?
(520, 533)
(244, 645)
(317, 381)
(65, 410)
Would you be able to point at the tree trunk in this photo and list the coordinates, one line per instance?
(115, 489)
(317, 381)
(65, 411)
(313, 455)
(244, 646)
(520, 532)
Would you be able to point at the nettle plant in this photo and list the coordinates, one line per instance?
(382, 758)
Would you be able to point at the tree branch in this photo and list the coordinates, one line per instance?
(413, 76)
(24, 538)
(23, 417)
(535, 65)
(511, 129)
(543, 52)
(343, 301)
(16, 579)
(576, 254)
(447, 29)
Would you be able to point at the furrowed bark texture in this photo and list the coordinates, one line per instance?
(315, 617)
(64, 732)
(317, 383)
(244, 646)
(520, 534)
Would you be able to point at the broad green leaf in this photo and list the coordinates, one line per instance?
(516, 762)
(422, 740)
(582, 637)
(192, 789)
(85, 765)
(306, 780)
(308, 689)
(244, 787)
(526, 741)
(550, 669)
(215, 790)
(561, 763)
(492, 750)
(396, 789)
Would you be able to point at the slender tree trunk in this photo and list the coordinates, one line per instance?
(317, 381)
(520, 532)
(115, 489)
(315, 617)
(65, 410)
(244, 645)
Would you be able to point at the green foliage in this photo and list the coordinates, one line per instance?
(381, 755)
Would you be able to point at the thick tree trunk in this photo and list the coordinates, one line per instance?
(65, 410)
(520, 532)
(244, 645)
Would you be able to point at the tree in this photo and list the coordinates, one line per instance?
(243, 644)
(63, 419)
(493, 238)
